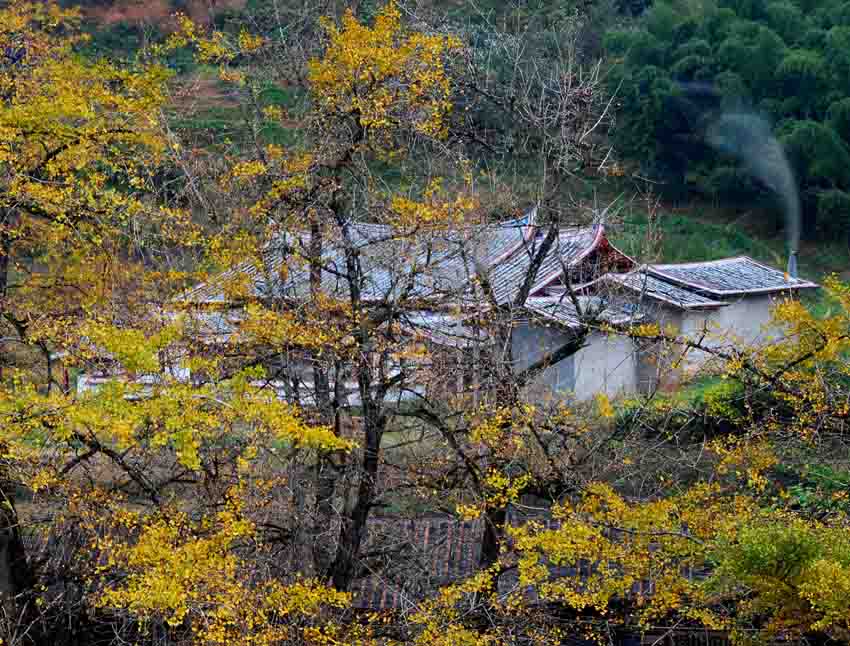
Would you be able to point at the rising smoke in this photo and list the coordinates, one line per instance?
(749, 138)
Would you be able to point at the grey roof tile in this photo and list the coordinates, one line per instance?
(649, 286)
(560, 310)
(387, 258)
(556, 310)
(441, 328)
(506, 277)
(728, 277)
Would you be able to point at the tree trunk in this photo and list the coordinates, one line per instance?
(15, 573)
(324, 476)
(325, 479)
(343, 569)
(16, 576)
(5, 254)
(491, 542)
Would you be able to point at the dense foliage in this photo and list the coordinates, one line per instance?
(697, 79)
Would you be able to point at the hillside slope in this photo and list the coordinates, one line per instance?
(157, 13)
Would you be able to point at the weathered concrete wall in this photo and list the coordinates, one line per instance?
(654, 359)
(745, 320)
(530, 344)
(607, 364)
(748, 318)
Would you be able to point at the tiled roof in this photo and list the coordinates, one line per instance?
(728, 277)
(649, 286)
(436, 551)
(560, 310)
(444, 263)
(555, 309)
(506, 277)
(503, 251)
(442, 329)
(388, 260)
(214, 326)
(213, 293)
(383, 259)
(573, 244)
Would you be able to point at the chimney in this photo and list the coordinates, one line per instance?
(792, 265)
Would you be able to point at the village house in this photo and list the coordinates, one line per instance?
(715, 303)
(582, 287)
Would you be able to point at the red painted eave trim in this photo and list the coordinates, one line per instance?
(598, 241)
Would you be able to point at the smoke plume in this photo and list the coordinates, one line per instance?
(749, 138)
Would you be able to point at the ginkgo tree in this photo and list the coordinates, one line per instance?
(87, 244)
(114, 467)
(66, 128)
(355, 223)
(717, 542)
(321, 209)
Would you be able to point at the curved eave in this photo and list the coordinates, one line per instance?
(598, 239)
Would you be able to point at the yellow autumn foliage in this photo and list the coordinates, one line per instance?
(383, 74)
(176, 483)
(181, 570)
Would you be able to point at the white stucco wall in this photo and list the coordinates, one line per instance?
(607, 364)
(748, 318)
(530, 343)
(745, 320)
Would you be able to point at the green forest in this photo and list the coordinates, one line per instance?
(682, 66)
